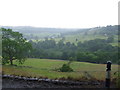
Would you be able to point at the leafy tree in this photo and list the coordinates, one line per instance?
(64, 55)
(60, 44)
(14, 47)
(110, 39)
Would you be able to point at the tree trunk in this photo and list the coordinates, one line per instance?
(11, 62)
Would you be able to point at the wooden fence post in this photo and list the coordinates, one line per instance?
(108, 74)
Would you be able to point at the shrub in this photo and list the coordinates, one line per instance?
(4, 61)
(66, 68)
(117, 79)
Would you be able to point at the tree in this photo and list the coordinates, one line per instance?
(110, 39)
(14, 47)
(61, 44)
(76, 39)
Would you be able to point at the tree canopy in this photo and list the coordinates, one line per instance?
(14, 47)
(95, 51)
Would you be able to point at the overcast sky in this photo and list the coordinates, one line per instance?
(59, 13)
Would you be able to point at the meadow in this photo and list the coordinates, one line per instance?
(47, 68)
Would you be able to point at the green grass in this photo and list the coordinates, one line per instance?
(46, 68)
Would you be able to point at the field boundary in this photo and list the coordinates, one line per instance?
(56, 81)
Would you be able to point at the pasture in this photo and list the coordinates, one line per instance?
(46, 68)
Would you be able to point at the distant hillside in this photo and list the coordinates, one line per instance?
(29, 29)
(69, 35)
(93, 33)
(39, 33)
(108, 30)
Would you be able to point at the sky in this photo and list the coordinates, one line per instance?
(59, 13)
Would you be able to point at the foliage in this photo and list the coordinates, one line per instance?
(14, 47)
(66, 68)
(96, 51)
(117, 74)
(118, 80)
(110, 39)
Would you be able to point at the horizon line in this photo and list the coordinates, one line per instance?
(52, 27)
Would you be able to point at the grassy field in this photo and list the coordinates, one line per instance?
(82, 38)
(47, 69)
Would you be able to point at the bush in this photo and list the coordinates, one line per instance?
(117, 79)
(4, 61)
(66, 68)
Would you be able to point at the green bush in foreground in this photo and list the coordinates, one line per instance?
(66, 68)
(118, 80)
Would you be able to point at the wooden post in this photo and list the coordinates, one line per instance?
(108, 74)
